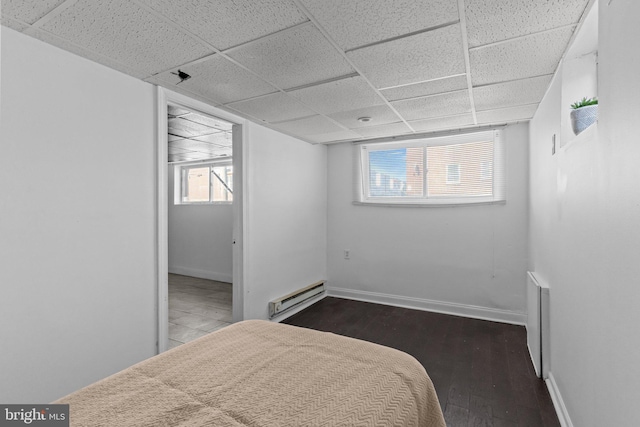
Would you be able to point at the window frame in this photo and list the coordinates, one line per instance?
(361, 168)
(180, 171)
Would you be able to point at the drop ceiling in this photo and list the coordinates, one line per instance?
(313, 68)
(193, 136)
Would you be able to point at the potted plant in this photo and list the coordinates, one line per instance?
(583, 114)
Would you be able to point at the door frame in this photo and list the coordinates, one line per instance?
(163, 98)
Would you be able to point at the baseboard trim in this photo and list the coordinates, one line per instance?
(201, 274)
(558, 402)
(463, 310)
(533, 361)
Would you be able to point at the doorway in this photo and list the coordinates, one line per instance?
(199, 219)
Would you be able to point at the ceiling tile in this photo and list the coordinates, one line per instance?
(292, 58)
(28, 11)
(390, 129)
(222, 139)
(180, 133)
(434, 106)
(85, 53)
(179, 157)
(432, 87)
(12, 23)
(211, 122)
(510, 94)
(191, 145)
(529, 56)
(226, 23)
(342, 135)
(505, 115)
(272, 108)
(449, 122)
(176, 150)
(195, 129)
(309, 126)
(220, 80)
(174, 111)
(339, 95)
(412, 59)
(490, 21)
(380, 114)
(125, 32)
(359, 22)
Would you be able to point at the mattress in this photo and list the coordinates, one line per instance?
(258, 373)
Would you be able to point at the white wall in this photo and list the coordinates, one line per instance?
(585, 234)
(469, 260)
(77, 268)
(200, 238)
(285, 224)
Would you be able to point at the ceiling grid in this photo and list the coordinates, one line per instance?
(326, 71)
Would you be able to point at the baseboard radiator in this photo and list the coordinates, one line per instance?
(538, 327)
(294, 299)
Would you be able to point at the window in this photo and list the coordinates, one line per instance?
(459, 169)
(204, 183)
(453, 173)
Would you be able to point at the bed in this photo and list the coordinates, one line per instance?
(259, 373)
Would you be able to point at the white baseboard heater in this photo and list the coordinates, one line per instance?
(538, 327)
(294, 299)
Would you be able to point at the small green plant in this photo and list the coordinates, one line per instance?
(584, 102)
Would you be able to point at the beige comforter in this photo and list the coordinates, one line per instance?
(258, 373)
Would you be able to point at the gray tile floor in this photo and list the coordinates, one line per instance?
(196, 307)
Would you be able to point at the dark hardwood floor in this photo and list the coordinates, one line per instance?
(481, 370)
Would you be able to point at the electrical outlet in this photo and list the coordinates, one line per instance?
(347, 254)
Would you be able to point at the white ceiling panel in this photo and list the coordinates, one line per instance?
(342, 135)
(432, 87)
(191, 145)
(174, 111)
(339, 95)
(176, 150)
(450, 122)
(28, 11)
(276, 107)
(384, 130)
(490, 21)
(359, 22)
(211, 122)
(221, 139)
(180, 157)
(380, 114)
(412, 59)
(235, 21)
(197, 129)
(220, 80)
(292, 58)
(125, 32)
(505, 115)
(95, 57)
(510, 94)
(13, 24)
(434, 106)
(309, 126)
(529, 56)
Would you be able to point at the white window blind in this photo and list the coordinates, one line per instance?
(460, 169)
